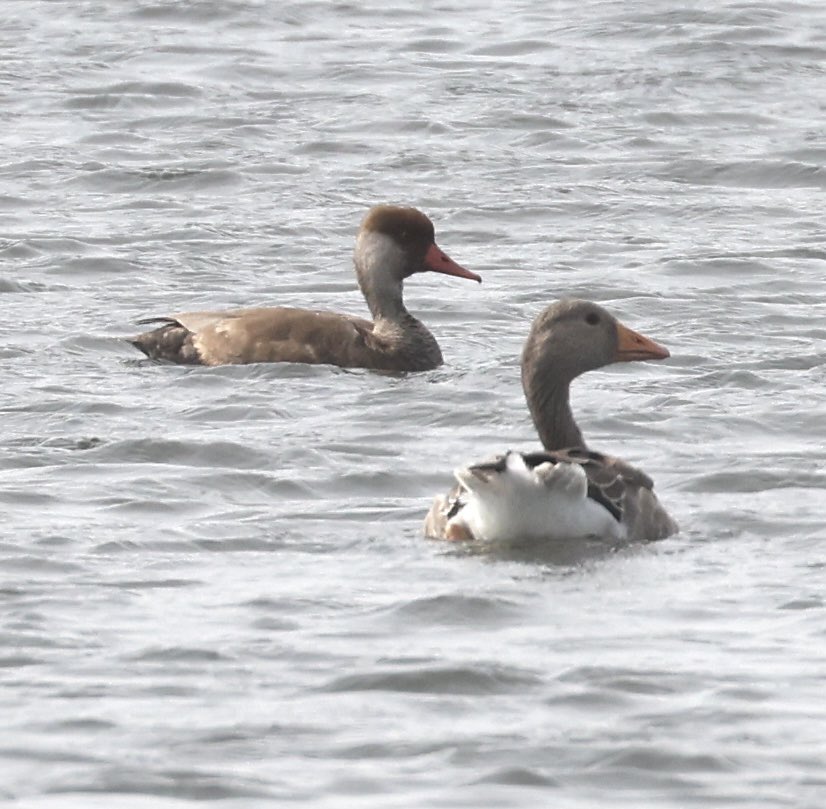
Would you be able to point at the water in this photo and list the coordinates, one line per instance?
(214, 585)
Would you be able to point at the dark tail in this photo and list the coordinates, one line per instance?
(170, 342)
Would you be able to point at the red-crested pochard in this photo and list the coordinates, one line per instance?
(392, 244)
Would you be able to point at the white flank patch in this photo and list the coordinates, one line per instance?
(549, 502)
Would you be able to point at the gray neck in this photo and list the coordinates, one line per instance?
(385, 302)
(380, 271)
(549, 402)
(380, 267)
(410, 339)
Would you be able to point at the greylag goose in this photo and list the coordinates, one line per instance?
(566, 491)
(392, 244)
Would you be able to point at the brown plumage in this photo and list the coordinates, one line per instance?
(392, 244)
(566, 339)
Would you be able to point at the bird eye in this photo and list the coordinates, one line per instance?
(592, 318)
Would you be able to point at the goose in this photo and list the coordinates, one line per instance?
(392, 244)
(567, 491)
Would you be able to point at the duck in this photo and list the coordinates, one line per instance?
(566, 491)
(393, 243)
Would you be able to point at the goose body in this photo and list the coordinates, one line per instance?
(566, 491)
(535, 497)
(393, 243)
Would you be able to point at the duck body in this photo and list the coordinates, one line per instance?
(285, 334)
(566, 491)
(393, 243)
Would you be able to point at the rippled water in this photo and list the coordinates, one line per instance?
(214, 585)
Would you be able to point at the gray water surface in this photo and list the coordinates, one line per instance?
(213, 581)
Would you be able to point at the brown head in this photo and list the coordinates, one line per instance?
(394, 243)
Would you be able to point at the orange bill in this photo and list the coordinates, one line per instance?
(438, 261)
(634, 346)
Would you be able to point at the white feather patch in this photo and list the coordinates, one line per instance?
(549, 502)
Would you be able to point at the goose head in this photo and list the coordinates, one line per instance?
(567, 339)
(571, 337)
